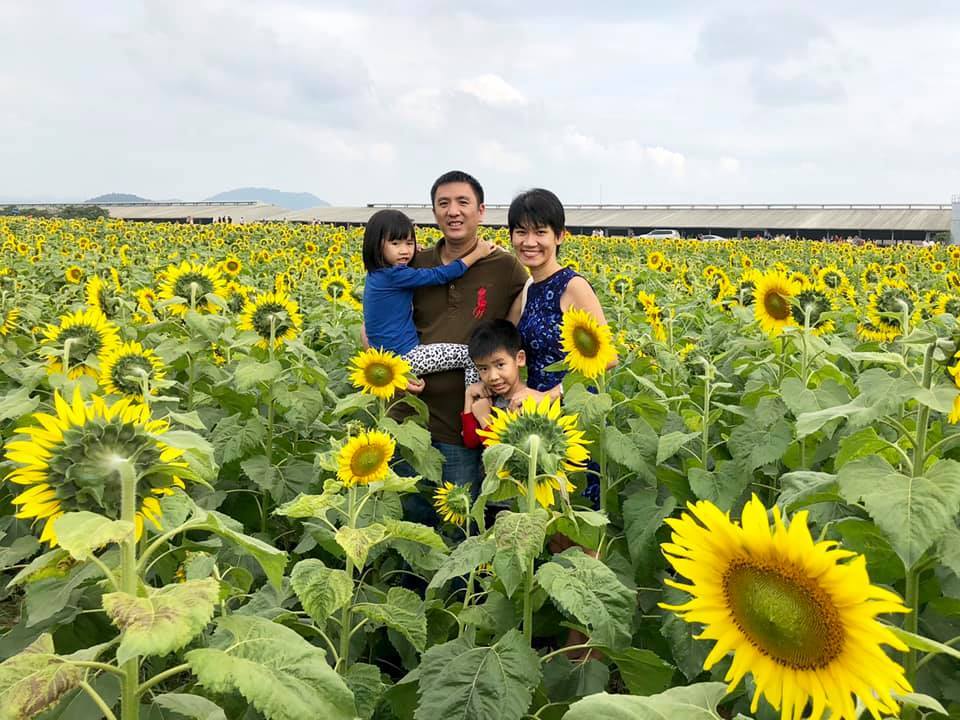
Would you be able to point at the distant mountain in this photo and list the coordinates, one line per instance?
(116, 198)
(289, 200)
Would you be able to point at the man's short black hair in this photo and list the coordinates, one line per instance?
(384, 225)
(535, 209)
(492, 336)
(457, 176)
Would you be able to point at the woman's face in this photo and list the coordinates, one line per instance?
(535, 247)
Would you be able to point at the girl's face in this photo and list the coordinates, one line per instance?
(398, 251)
(535, 247)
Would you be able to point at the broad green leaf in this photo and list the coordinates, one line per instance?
(357, 542)
(250, 372)
(950, 550)
(414, 532)
(321, 590)
(303, 506)
(591, 407)
(589, 591)
(355, 401)
(643, 671)
(191, 706)
(165, 620)
(864, 537)
(913, 512)
(459, 680)
(234, 436)
(367, 687)
(18, 551)
(693, 702)
(723, 485)
(519, 539)
(494, 460)
(403, 612)
(642, 516)
(859, 444)
(264, 475)
(83, 533)
(425, 459)
(18, 403)
(565, 680)
(764, 437)
(35, 680)
(623, 449)
(670, 444)
(923, 701)
(190, 419)
(396, 483)
(274, 669)
(688, 653)
(465, 557)
(199, 453)
(272, 560)
(802, 488)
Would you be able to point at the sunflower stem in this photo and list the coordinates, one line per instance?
(923, 414)
(129, 702)
(531, 508)
(97, 700)
(911, 624)
(345, 615)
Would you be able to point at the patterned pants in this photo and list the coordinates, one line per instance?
(438, 357)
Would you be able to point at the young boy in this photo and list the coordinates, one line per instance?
(495, 349)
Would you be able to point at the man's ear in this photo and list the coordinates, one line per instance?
(482, 208)
(521, 358)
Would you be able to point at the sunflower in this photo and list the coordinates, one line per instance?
(891, 301)
(73, 275)
(337, 288)
(953, 280)
(948, 304)
(621, 286)
(191, 283)
(9, 319)
(125, 368)
(587, 343)
(79, 337)
(773, 295)
(792, 611)
(272, 314)
(69, 461)
(237, 296)
(562, 446)
(655, 260)
(452, 503)
(101, 296)
(869, 332)
(379, 372)
(365, 458)
(816, 301)
(232, 266)
(747, 286)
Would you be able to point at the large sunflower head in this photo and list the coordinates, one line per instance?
(799, 615)
(126, 368)
(73, 346)
(365, 458)
(68, 461)
(272, 315)
(817, 302)
(103, 295)
(587, 343)
(773, 297)
(452, 503)
(336, 287)
(191, 283)
(379, 372)
(562, 446)
(890, 303)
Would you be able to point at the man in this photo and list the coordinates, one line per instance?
(450, 313)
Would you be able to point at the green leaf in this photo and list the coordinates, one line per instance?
(272, 560)
(191, 420)
(722, 486)
(862, 536)
(264, 475)
(693, 702)
(643, 671)
(83, 533)
(165, 620)
(592, 408)
(414, 532)
(191, 706)
(234, 437)
(35, 680)
(623, 449)
(357, 542)
(321, 590)
(519, 539)
(458, 680)
(805, 487)
(494, 459)
(642, 516)
(670, 444)
(859, 444)
(913, 512)
(924, 644)
(465, 557)
(950, 550)
(367, 687)
(764, 437)
(566, 681)
(403, 612)
(273, 668)
(589, 591)
(423, 456)
(355, 401)
(199, 453)
(18, 403)
(316, 506)
(251, 372)
(21, 548)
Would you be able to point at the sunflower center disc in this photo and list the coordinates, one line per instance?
(379, 375)
(785, 615)
(586, 342)
(776, 305)
(366, 460)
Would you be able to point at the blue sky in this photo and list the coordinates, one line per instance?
(368, 102)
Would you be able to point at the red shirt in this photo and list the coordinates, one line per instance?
(469, 431)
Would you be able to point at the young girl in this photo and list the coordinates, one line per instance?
(388, 246)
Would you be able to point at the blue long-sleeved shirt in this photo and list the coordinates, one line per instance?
(388, 302)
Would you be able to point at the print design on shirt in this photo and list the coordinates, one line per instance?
(481, 307)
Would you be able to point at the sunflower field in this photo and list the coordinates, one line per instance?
(204, 484)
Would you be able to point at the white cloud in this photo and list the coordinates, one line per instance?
(730, 164)
(492, 154)
(493, 90)
(629, 151)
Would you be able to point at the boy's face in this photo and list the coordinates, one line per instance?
(500, 371)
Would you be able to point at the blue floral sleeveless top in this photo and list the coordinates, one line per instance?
(539, 328)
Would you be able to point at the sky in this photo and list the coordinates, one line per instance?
(357, 102)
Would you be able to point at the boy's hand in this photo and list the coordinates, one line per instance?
(517, 400)
(415, 386)
(475, 391)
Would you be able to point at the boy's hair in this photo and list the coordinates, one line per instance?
(492, 336)
(384, 225)
(535, 209)
(456, 176)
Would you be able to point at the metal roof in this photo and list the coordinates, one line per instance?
(249, 211)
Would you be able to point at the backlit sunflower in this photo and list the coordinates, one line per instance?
(621, 286)
(379, 372)
(562, 445)
(272, 314)
(125, 368)
(191, 283)
(365, 458)
(869, 332)
(890, 305)
(587, 343)
(452, 503)
(103, 296)
(954, 372)
(336, 288)
(772, 307)
(9, 321)
(816, 301)
(68, 460)
(799, 615)
(77, 340)
(73, 275)
(948, 304)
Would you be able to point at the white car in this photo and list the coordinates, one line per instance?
(661, 234)
(712, 238)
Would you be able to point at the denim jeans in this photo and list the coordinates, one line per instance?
(461, 466)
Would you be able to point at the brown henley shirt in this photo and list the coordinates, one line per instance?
(450, 313)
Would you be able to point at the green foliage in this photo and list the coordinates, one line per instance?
(35, 679)
(519, 539)
(695, 702)
(321, 590)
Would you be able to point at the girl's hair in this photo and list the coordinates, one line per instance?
(384, 225)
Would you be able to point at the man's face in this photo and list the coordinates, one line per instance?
(500, 371)
(457, 211)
